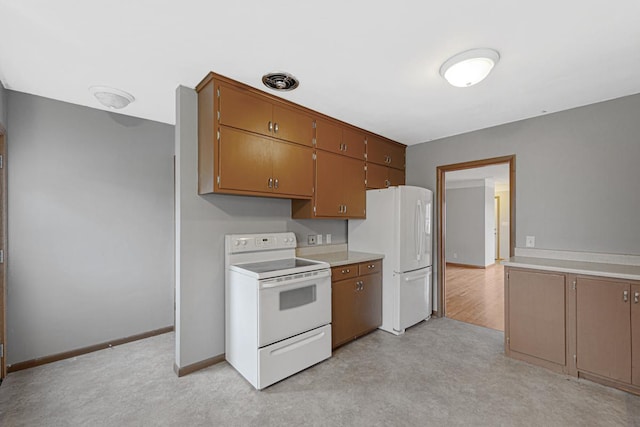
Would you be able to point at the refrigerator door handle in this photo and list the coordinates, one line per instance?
(416, 231)
(427, 219)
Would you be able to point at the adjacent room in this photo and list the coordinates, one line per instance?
(339, 213)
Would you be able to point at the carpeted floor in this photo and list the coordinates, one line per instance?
(441, 373)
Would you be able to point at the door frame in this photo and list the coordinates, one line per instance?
(3, 246)
(441, 211)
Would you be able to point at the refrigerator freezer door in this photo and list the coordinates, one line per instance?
(413, 242)
(414, 301)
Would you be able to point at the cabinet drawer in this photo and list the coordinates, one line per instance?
(369, 267)
(344, 272)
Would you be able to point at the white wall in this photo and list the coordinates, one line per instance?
(576, 174)
(90, 213)
(201, 224)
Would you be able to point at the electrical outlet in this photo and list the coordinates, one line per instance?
(455, 255)
(328, 239)
(530, 242)
(311, 239)
(319, 239)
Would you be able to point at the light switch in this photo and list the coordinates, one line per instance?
(319, 239)
(328, 239)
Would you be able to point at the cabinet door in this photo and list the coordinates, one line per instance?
(396, 176)
(603, 328)
(536, 315)
(343, 314)
(292, 169)
(329, 191)
(377, 176)
(369, 307)
(244, 161)
(242, 110)
(292, 125)
(353, 187)
(385, 153)
(329, 136)
(354, 145)
(635, 337)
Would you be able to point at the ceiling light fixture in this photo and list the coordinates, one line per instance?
(280, 81)
(470, 67)
(111, 97)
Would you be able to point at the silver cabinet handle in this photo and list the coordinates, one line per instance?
(345, 208)
(344, 271)
(275, 183)
(636, 297)
(270, 183)
(270, 126)
(275, 128)
(389, 159)
(345, 147)
(625, 296)
(387, 183)
(371, 266)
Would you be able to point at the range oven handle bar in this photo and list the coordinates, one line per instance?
(296, 278)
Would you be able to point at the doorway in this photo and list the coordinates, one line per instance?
(477, 272)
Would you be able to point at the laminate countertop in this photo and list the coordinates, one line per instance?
(618, 271)
(336, 259)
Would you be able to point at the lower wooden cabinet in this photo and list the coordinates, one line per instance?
(585, 326)
(356, 301)
(535, 315)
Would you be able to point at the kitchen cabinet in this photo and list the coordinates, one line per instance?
(340, 190)
(339, 139)
(603, 325)
(385, 152)
(251, 144)
(379, 176)
(535, 316)
(582, 325)
(356, 301)
(244, 110)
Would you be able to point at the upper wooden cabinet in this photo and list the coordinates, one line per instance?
(257, 164)
(384, 152)
(339, 189)
(379, 176)
(330, 136)
(242, 109)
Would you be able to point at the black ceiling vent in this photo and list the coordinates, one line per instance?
(280, 81)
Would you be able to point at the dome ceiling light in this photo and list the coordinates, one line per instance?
(111, 97)
(470, 67)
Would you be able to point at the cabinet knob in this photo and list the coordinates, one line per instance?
(275, 183)
(625, 296)
(636, 297)
(270, 183)
(275, 128)
(270, 126)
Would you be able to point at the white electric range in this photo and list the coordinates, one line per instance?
(278, 307)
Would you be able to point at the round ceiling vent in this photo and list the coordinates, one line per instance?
(280, 81)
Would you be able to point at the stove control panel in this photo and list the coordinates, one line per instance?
(260, 242)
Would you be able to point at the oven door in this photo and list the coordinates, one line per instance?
(291, 305)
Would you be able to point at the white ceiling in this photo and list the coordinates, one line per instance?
(371, 63)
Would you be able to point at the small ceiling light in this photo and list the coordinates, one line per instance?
(468, 68)
(280, 81)
(111, 97)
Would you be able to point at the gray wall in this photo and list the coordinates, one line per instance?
(470, 220)
(201, 224)
(576, 174)
(90, 213)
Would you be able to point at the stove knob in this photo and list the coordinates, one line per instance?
(244, 243)
(237, 242)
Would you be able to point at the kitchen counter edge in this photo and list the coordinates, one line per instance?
(617, 271)
(336, 259)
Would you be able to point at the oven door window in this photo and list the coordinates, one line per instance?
(297, 297)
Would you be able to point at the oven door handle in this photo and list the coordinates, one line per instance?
(274, 283)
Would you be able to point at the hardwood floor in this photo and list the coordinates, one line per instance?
(475, 295)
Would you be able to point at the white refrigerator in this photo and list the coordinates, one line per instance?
(399, 226)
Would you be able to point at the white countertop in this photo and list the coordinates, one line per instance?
(336, 255)
(618, 271)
